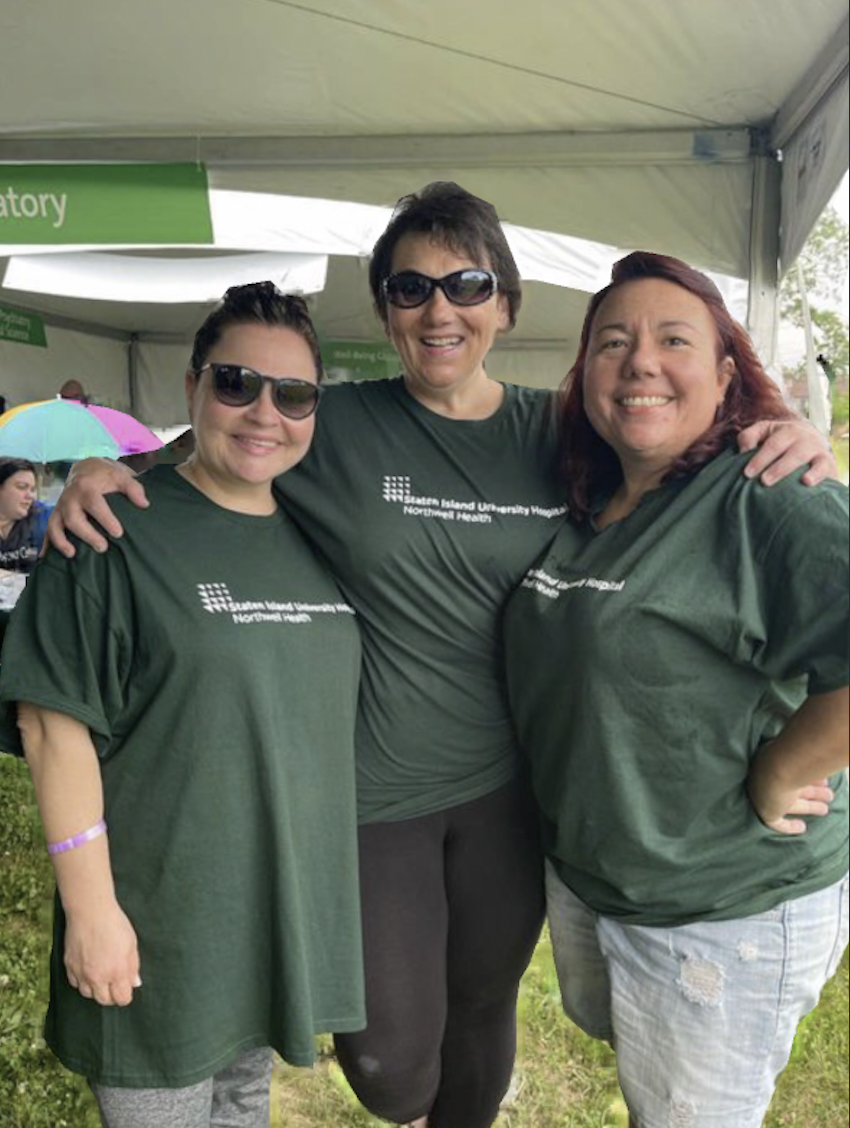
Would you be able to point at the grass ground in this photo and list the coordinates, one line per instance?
(842, 456)
(568, 1081)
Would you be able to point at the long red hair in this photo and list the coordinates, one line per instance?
(591, 465)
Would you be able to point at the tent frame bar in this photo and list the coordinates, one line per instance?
(508, 150)
(763, 306)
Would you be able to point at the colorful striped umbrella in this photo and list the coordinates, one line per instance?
(61, 430)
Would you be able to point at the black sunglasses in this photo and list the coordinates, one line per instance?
(237, 386)
(409, 289)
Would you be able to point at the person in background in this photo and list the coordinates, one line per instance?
(23, 519)
(677, 665)
(189, 725)
(141, 461)
(429, 495)
(73, 390)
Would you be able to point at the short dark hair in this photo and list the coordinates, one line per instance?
(459, 221)
(10, 466)
(259, 303)
(591, 465)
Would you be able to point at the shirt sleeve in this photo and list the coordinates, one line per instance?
(802, 576)
(65, 648)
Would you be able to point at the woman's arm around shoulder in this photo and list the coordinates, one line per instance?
(83, 501)
(783, 446)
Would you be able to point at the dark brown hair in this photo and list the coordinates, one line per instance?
(591, 465)
(10, 466)
(459, 221)
(258, 303)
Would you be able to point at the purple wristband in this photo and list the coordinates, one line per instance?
(78, 839)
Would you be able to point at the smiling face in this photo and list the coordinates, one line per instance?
(17, 495)
(240, 450)
(653, 379)
(442, 346)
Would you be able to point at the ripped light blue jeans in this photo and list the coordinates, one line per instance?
(702, 1017)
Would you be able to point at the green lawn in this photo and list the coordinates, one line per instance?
(567, 1081)
(842, 457)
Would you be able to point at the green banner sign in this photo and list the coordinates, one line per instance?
(360, 360)
(104, 204)
(25, 328)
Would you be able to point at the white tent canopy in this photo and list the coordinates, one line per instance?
(657, 125)
(157, 299)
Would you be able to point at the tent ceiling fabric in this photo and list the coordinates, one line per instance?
(699, 212)
(630, 124)
(278, 67)
(373, 86)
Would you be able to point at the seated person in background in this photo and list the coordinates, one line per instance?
(73, 390)
(176, 451)
(141, 461)
(23, 519)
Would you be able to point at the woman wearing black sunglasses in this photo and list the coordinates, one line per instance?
(195, 780)
(430, 495)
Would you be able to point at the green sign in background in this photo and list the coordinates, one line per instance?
(360, 360)
(104, 204)
(25, 328)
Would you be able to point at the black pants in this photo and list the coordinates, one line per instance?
(453, 905)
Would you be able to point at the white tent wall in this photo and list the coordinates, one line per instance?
(810, 130)
(30, 373)
(160, 366)
(537, 368)
(159, 396)
(815, 160)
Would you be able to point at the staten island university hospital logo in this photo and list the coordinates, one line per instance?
(217, 600)
(398, 490)
(215, 597)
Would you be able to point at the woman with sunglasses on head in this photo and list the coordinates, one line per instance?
(429, 495)
(187, 709)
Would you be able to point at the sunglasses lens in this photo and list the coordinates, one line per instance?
(469, 287)
(235, 386)
(408, 289)
(296, 399)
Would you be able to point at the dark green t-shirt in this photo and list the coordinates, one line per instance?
(648, 662)
(428, 523)
(216, 664)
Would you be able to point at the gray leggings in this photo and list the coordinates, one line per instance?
(236, 1097)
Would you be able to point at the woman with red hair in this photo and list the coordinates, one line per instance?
(677, 665)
